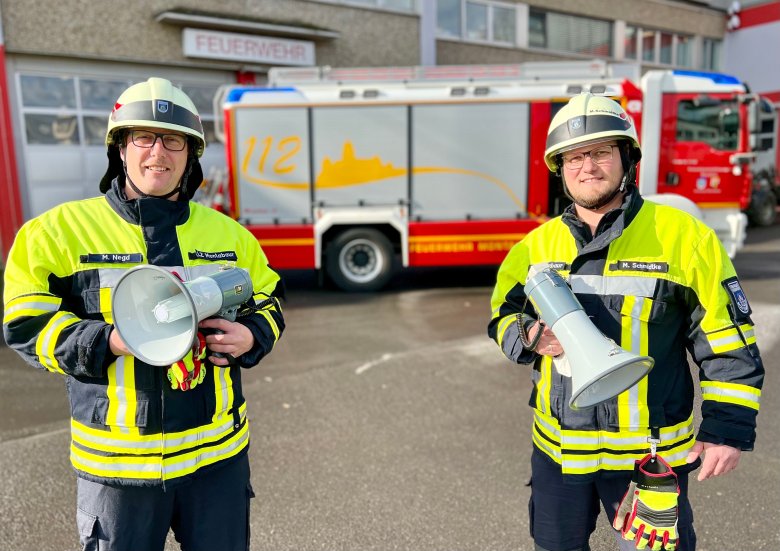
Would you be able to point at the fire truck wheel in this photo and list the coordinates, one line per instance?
(360, 260)
(763, 209)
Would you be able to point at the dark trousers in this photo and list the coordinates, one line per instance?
(210, 512)
(563, 515)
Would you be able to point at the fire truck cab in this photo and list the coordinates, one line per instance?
(360, 171)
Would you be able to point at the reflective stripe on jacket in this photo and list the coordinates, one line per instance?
(128, 425)
(658, 282)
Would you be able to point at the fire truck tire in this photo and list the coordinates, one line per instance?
(763, 209)
(360, 259)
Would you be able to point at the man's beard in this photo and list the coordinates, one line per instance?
(595, 203)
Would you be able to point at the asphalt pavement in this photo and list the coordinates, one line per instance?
(390, 421)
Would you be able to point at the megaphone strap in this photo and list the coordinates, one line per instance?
(654, 439)
(525, 339)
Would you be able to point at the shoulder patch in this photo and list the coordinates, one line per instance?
(739, 301)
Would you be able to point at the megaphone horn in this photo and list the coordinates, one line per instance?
(157, 314)
(600, 369)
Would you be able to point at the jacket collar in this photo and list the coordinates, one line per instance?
(611, 225)
(147, 211)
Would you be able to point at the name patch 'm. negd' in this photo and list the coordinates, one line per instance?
(639, 266)
(111, 258)
(213, 256)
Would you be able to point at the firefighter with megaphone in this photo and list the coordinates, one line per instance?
(158, 420)
(657, 283)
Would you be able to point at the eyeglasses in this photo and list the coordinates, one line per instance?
(601, 155)
(147, 139)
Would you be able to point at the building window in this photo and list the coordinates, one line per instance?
(665, 53)
(448, 19)
(49, 110)
(684, 51)
(100, 94)
(629, 45)
(648, 45)
(569, 33)
(712, 52)
(660, 47)
(51, 92)
(74, 111)
(476, 20)
(504, 24)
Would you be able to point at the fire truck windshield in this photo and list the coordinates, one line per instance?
(715, 122)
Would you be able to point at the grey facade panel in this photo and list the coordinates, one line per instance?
(461, 53)
(128, 31)
(657, 14)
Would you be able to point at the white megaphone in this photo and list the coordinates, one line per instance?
(600, 369)
(157, 314)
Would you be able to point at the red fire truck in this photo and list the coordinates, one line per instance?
(360, 171)
(762, 210)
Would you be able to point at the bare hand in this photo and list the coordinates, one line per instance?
(718, 459)
(235, 339)
(117, 345)
(548, 344)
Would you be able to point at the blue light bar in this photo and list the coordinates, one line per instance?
(717, 78)
(236, 94)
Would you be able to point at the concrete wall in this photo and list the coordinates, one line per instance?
(127, 31)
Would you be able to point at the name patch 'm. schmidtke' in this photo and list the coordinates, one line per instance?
(637, 266)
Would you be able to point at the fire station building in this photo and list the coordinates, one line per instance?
(65, 62)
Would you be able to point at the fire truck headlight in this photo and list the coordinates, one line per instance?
(736, 170)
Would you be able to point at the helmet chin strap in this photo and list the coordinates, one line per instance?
(146, 195)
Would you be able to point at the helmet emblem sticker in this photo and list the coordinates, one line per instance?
(162, 106)
(576, 127)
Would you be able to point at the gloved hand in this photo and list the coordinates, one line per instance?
(648, 513)
(188, 372)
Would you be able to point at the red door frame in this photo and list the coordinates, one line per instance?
(12, 218)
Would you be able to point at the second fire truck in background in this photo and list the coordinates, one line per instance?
(356, 171)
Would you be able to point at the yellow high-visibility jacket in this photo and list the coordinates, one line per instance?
(658, 282)
(128, 425)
